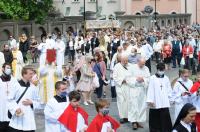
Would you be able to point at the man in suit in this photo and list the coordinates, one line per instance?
(94, 42)
(176, 51)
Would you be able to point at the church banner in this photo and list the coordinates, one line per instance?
(94, 24)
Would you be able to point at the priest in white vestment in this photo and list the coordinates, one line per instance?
(49, 75)
(137, 95)
(2, 61)
(43, 52)
(181, 91)
(6, 86)
(23, 112)
(127, 47)
(121, 72)
(60, 52)
(55, 107)
(17, 63)
(114, 58)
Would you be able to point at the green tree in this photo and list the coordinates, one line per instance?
(36, 10)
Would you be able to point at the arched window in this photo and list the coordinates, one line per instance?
(56, 29)
(128, 24)
(180, 21)
(185, 21)
(43, 32)
(162, 23)
(155, 13)
(5, 34)
(175, 22)
(25, 31)
(174, 12)
(138, 13)
(169, 22)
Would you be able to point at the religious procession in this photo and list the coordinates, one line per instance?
(64, 74)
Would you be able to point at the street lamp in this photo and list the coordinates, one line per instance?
(196, 11)
(84, 18)
(185, 6)
(155, 13)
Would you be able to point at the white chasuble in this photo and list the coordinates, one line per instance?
(120, 74)
(137, 94)
(49, 75)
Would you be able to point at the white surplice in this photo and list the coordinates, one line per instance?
(105, 126)
(137, 94)
(178, 99)
(122, 89)
(26, 122)
(43, 53)
(80, 123)
(52, 112)
(60, 53)
(159, 92)
(2, 61)
(5, 90)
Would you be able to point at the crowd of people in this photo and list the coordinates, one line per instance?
(77, 65)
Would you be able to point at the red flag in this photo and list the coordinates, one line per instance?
(69, 117)
(97, 123)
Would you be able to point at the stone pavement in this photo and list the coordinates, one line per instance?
(173, 73)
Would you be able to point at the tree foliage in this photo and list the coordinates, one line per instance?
(36, 10)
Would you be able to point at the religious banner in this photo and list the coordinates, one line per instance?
(94, 24)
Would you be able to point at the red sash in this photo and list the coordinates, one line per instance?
(69, 117)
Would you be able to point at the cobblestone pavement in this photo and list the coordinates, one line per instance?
(173, 73)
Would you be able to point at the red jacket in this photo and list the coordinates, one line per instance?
(97, 123)
(190, 50)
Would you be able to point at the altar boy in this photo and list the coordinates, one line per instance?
(74, 118)
(55, 107)
(21, 103)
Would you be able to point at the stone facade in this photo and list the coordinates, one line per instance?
(147, 21)
(166, 7)
(30, 28)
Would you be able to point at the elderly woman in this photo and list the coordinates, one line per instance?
(85, 83)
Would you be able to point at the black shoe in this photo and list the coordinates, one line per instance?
(173, 66)
(121, 121)
(134, 125)
(125, 120)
